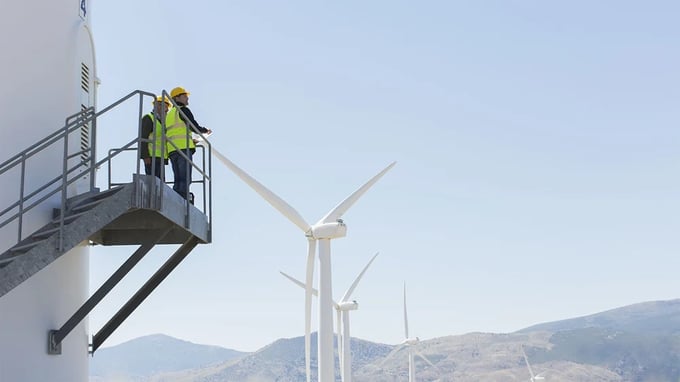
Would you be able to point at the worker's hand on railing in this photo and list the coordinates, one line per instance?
(202, 137)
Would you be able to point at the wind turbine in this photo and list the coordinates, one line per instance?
(533, 378)
(328, 227)
(410, 344)
(342, 309)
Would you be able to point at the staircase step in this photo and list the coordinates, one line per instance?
(86, 206)
(25, 247)
(38, 237)
(91, 196)
(54, 227)
(74, 200)
(69, 218)
(5, 262)
(45, 233)
(85, 201)
(8, 257)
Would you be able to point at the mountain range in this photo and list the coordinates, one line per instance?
(636, 343)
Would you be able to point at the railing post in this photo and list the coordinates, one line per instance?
(139, 130)
(93, 150)
(108, 166)
(21, 194)
(210, 192)
(64, 181)
(154, 143)
(203, 175)
(164, 146)
(189, 164)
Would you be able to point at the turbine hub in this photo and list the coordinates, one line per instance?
(348, 305)
(329, 230)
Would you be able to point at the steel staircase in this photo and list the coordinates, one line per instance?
(144, 212)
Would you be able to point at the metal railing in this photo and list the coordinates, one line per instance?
(31, 199)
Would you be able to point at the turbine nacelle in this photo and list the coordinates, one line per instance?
(348, 305)
(332, 230)
(411, 341)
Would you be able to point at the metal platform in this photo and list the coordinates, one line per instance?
(126, 215)
(153, 207)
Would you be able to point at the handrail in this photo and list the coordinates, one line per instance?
(34, 193)
(77, 120)
(47, 141)
(40, 142)
(30, 199)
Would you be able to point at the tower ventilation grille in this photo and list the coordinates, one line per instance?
(85, 129)
(85, 77)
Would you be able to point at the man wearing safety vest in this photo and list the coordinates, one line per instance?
(153, 152)
(180, 144)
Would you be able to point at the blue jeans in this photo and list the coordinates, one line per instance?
(158, 167)
(181, 169)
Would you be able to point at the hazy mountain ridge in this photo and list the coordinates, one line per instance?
(629, 344)
(284, 360)
(634, 356)
(661, 317)
(142, 357)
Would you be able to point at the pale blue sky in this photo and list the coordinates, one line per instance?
(537, 147)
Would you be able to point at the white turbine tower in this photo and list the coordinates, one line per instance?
(342, 309)
(327, 228)
(533, 378)
(410, 344)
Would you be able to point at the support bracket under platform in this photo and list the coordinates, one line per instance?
(53, 346)
(55, 337)
(143, 293)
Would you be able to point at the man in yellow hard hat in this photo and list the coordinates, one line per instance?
(152, 151)
(181, 146)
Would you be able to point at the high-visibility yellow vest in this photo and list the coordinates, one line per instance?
(158, 134)
(176, 131)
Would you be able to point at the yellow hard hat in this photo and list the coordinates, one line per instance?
(178, 91)
(162, 99)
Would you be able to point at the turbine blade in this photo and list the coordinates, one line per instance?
(299, 283)
(341, 208)
(391, 354)
(421, 355)
(526, 359)
(356, 281)
(308, 307)
(286, 209)
(405, 314)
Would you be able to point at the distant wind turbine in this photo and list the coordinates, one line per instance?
(533, 378)
(410, 344)
(328, 227)
(342, 309)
